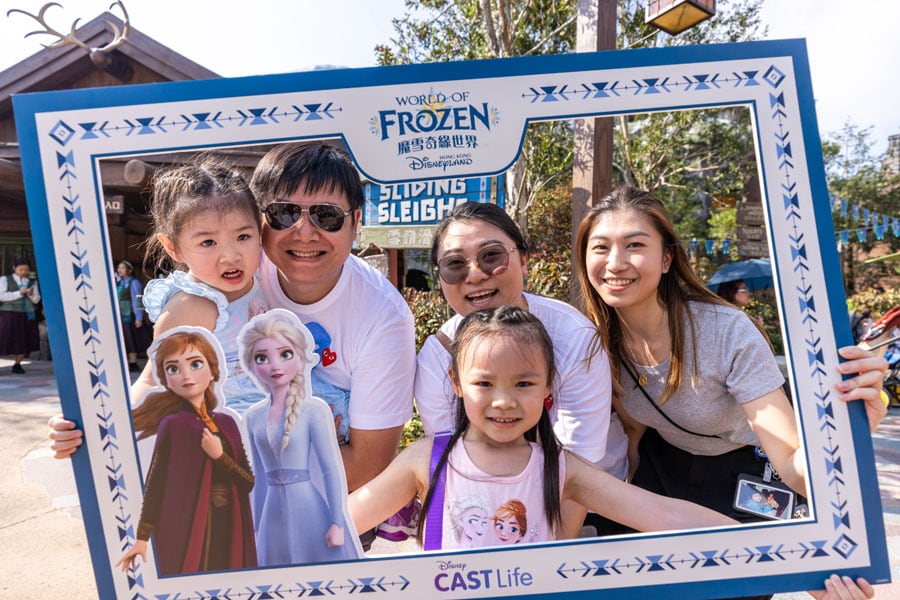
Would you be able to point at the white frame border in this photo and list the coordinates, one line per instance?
(63, 135)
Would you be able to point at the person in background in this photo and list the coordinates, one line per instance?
(19, 294)
(738, 294)
(136, 330)
(735, 292)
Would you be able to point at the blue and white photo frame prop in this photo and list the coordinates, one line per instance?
(461, 119)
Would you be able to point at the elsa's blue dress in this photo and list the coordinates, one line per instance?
(300, 491)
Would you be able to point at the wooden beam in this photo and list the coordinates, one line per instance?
(11, 175)
(138, 172)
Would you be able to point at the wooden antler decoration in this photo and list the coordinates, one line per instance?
(102, 56)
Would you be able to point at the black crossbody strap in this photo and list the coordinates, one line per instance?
(656, 406)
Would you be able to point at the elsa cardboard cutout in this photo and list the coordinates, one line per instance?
(300, 498)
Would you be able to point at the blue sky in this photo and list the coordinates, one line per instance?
(852, 69)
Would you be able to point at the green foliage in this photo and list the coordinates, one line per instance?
(429, 310)
(412, 430)
(687, 157)
(877, 301)
(548, 275)
(549, 233)
(549, 225)
(734, 21)
(723, 225)
(444, 30)
(764, 308)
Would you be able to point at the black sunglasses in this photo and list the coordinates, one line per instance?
(284, 215)
(455, 268)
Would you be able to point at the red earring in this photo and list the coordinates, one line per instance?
(548, 401)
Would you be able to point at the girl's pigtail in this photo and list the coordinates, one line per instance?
(550, 445)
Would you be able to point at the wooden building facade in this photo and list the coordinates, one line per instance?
(137, 59)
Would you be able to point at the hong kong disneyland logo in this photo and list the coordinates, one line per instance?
(456, 577)
(435, 130)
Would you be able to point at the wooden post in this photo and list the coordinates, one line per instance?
(593, 138)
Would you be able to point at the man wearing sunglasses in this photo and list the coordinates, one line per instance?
(311, 199)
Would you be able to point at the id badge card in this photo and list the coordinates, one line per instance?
(766, 499)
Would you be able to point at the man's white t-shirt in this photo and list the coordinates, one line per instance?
(365, 338)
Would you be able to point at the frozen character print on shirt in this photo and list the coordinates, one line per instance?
(510, 523)
(469, 516)
(338, 399)
(300, 499)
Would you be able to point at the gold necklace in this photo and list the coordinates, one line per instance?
(642, 377)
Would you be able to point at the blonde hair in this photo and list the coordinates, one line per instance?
(459, 508)
(284, 326)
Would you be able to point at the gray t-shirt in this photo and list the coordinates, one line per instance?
(736, 366)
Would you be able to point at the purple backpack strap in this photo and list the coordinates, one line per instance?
(434, 520)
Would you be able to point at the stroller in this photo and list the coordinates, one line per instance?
(886, 332)
(892, 376)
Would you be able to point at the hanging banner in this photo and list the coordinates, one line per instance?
(404, 215)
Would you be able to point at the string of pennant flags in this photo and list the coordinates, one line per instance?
(709, 246)
(878, 224)
(869, 221)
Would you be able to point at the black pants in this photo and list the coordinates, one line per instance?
(710, 481)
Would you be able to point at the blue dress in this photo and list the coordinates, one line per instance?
(301, 490)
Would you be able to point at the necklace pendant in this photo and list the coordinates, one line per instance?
(642, 380)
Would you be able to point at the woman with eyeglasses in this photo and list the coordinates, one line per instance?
(735, 292)
(480, 255)
(738, 294)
